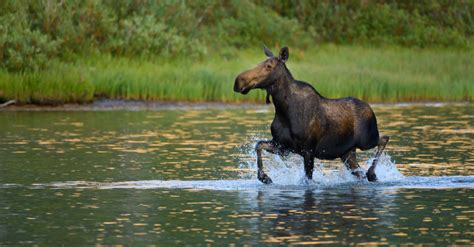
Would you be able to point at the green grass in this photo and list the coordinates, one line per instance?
(389, 74)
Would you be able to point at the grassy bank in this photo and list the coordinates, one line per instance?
(375, 74)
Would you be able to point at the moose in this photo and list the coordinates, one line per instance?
(309, 124)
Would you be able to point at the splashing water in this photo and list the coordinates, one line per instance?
(290, 171)
(287, 174)
(386, 169)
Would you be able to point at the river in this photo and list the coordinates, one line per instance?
(186, 176)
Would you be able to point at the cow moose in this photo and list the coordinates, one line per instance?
(309, 124)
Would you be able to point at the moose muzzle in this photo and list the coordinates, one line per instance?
(241, 85)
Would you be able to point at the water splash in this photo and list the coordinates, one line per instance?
(290, 171)
(417, 182)
(287, 174)
(386, 169)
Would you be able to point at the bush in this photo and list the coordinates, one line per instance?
(250, 24)
(35, 32)
(22, 48)
(146, 36)
(408, 23)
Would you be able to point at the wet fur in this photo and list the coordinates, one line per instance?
(305, 122)
(309, 124)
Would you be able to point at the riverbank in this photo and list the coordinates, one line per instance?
(131, 105)
(377, 75)
(137, 105)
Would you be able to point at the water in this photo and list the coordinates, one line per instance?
(187, 177)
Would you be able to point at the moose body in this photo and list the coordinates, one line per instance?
(308, 124)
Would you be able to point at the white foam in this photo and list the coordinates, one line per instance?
(291, 172)
(415, 182)
(287, 174)
(386, 169)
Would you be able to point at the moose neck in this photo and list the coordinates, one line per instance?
(284, 92)
(280, 90)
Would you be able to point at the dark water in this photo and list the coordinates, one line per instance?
(187, 177)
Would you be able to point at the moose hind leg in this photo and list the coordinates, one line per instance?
(380, 147)
(269, 146)
(350, 160)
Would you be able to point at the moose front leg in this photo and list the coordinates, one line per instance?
(308, 165)
(268, 146)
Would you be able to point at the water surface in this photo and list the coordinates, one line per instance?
(187, 176)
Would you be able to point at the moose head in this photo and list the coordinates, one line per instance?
(264, 74)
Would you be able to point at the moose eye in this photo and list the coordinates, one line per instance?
(268, 66)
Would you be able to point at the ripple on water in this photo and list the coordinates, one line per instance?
(187, 177)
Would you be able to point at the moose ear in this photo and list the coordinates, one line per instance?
(284, 54)
(267, 51)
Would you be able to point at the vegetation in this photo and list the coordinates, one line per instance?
(54, 52)
(375, 74)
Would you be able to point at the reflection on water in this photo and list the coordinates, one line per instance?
(191, 216)
(191, 181)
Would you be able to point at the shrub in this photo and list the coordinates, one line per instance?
(22, 48)
(35, 32)
(146, 36)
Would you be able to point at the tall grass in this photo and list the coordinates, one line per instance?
(390, 74)
(386, 74)
(58, 85)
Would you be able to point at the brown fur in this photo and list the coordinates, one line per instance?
(307, 123)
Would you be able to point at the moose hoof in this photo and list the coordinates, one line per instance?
(371, 177)
(264, 178)
(358, 173)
